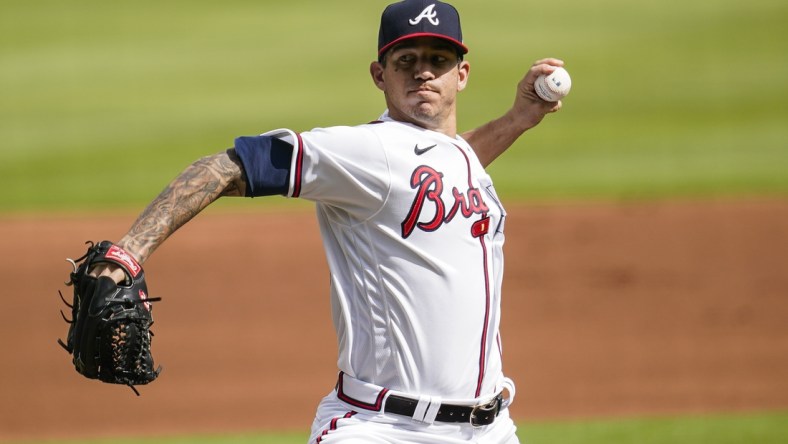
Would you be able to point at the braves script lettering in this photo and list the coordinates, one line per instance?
(429, 186)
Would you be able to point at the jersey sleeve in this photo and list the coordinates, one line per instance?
(266, 162)
(345, 167)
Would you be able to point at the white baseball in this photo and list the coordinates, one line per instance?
(555, 86)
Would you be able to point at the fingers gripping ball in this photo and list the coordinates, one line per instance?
(553, 87)
(109, 335)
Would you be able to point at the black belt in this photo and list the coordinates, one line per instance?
(477, 415)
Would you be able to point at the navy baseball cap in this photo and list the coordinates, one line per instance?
(419, 18)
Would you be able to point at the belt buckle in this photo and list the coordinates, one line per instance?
(485, 414)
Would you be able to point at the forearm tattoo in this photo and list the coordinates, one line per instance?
(195, 188)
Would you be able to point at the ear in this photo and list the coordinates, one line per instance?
(376, 71)
(464, 70)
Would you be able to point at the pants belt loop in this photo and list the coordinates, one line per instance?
(427, 409)
(432, 410)
(421, 408)
(508, 385)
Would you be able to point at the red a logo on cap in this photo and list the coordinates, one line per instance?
(429, 14)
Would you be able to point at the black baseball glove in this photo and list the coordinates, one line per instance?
(109, 334)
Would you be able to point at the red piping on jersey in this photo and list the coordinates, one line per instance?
(483, 352)
(299, 167)
(483, 347)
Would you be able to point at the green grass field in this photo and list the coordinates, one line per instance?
(766, 428)
(102, 103)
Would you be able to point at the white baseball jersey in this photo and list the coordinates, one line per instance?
(413, 233)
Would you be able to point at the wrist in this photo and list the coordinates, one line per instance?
(519, 120)
(133, 248)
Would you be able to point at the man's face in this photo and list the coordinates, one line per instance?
(420, 79)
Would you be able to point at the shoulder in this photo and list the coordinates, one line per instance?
(342, 134)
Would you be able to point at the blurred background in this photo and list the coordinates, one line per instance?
(670, 98)
(674, 103)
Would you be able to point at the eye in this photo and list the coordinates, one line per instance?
(406, 59)
(439, 60)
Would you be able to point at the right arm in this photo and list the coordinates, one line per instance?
(200, 184)
(493, 138)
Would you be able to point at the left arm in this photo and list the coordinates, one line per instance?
(494, 137)
(196, 187)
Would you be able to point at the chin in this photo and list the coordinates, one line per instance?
(424, 113)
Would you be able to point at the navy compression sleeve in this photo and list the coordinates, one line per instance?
(266, 162)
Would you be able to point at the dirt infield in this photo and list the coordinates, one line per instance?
(609, 309)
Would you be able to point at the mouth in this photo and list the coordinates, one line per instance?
(423, 91)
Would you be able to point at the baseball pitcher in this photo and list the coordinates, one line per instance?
(412, 229)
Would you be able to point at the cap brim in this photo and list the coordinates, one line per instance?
(460, 46)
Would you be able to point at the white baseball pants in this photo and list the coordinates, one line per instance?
(338, 421)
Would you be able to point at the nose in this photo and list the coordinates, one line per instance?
(424, 70)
